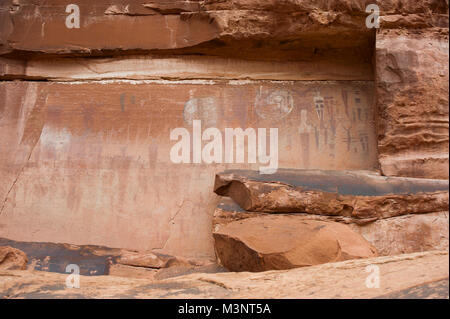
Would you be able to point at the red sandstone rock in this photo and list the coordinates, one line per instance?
(11, 258)
(111, 26)
(390, 236)
(349, 194)
(407, 234)
(412, 94)
(68, 155)
(284, 242)
(228, 211)
(412, 88)
(104, 25)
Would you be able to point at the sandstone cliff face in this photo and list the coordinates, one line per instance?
(86, 113)
(412, 93)
(82, 160)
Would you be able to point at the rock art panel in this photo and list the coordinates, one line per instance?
(273, 105)
(81, 160)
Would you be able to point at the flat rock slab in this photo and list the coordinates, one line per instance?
(358, 194)
(283, 242)
(345, 279)
(357, 183)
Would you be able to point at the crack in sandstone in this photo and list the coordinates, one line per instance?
(18, 176)
(215, 282)
(171, 219)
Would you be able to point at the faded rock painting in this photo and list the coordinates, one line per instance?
(334, 124)
(273, 104)
(204, 108)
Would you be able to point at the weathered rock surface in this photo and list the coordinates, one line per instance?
(283, 242)
(407, 234)
(412, 81)
(390, 236)
(400, 276)
(361, 195)
(11, 258)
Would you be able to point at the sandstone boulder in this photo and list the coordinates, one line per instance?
(356, 194)
(284, 242)
(12, 259)
(390, 236)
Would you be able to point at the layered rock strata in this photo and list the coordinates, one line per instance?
(412, 80)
